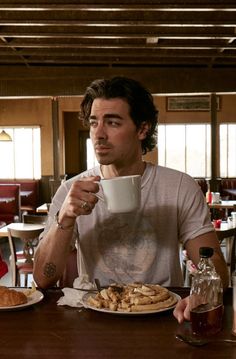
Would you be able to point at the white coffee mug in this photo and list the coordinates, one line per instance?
(122, 194)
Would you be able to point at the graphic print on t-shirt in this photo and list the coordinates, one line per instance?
(124, 251)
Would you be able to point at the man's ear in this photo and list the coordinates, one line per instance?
(143, 130)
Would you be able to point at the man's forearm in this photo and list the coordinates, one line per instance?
(51, 256)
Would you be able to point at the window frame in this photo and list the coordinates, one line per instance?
(13, 148)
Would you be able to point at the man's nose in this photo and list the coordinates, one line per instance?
(100, 131)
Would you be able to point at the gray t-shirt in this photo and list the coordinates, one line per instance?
(141, 246)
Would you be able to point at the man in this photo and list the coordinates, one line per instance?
(141, 246)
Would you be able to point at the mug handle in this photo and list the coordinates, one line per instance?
(97, 195)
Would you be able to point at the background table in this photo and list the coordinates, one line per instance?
(223, 205)
(6, 199)
(23, 226)
(46, 330)
(44, 208)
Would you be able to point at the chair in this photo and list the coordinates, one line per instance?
(32, 219)
(2, 224)
(24, 265)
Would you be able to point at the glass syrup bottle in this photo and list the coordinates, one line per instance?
(206, 296)
(234, 302)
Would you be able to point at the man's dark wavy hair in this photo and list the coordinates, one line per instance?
(139, 99)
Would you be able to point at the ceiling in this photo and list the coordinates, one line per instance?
(113, 33)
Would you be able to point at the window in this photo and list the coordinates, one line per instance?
(228, 150)
(21, 158)
(185, 148)
(91, 158)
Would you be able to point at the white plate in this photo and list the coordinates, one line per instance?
(86, 305)
(34, 298)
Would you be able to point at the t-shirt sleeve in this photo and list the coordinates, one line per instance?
(193, 212)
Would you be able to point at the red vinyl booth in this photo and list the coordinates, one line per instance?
(9, 202)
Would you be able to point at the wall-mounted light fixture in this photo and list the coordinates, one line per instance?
(4, 136)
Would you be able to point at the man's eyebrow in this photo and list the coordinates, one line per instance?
(107, 115)
(113, 115)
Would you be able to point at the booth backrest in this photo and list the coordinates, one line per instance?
(9, 202)
(29, 193)
(228, 184)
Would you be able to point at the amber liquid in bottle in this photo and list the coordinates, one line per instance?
(206, 297)
(205, 320)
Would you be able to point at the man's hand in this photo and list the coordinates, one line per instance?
(80, 200)
(181, 311)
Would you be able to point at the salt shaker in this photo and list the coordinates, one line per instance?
(234, 302)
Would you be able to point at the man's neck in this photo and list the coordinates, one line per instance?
(109, 171)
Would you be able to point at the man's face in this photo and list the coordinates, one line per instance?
(114, 135)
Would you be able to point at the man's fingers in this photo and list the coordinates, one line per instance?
(181, 311)
(91, 178)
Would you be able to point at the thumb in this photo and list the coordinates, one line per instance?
(181, 311)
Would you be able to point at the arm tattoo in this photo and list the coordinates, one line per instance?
(49, 270)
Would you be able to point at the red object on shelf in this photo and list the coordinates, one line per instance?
(217, 223)
(208, 196)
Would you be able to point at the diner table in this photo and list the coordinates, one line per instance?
(6, 199)
(225, 231)
(20, 226)
(25, 193)
(44, 208)
(224, 205)
(46, 330)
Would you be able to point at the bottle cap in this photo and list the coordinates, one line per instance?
(206, 252)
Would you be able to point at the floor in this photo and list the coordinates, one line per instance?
(5, 252)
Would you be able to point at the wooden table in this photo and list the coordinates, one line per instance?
(6, 199)
(22, 226)
(223, 204)
(25, 193)
(225, 232)
(44, 208)
(46, 330)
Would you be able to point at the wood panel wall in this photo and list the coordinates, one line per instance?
(38, 111)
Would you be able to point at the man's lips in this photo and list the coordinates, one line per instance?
(102, 148)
